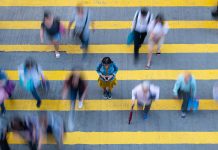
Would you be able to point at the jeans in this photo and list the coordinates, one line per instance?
(35, 94)
(185, 96)
(3, 108)
(138, 41)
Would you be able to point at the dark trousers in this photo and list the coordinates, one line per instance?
(185, 96)
(4, 143)
(138, 41)
(147, 108)
(35, 94)
(2, 108)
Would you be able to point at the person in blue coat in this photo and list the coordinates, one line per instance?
(107, 71)
(185, 88)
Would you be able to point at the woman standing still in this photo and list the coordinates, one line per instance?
(107, 71)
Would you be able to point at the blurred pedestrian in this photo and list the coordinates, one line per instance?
(75, 84)
(28, 128)
(185, 88)
(214, 13)
(145, 93)
(140, 24)
(51, 123)
(107, 71)
(157, 30)
(3, 134)
(54, 29)
(82, 19)
(3, 93)
(31, 77)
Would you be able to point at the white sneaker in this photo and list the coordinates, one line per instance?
(80, 105)
(57, 55)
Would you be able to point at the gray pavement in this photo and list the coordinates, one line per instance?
(116, 121)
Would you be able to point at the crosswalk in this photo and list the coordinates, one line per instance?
(102, 124)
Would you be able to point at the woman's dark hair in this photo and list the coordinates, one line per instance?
(160, 19)
(144, 11)
(47, 14)
(106, 61)
(30, 63)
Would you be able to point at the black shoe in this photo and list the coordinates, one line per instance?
(105, 94)
(109, 95)
(38, 104)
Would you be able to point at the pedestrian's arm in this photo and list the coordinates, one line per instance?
(99, 69)
(65, 91)
(134, 95)
(134, 21)
(115, 69)
(194, 87)
(156, 91)
(176, 87)
(42, 35)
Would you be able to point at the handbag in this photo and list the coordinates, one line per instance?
(131, 37)
(193, 104)
(9, 87)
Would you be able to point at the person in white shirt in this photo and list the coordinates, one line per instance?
(145, 93)
(82, 19)
(140, 24)
(157, 29)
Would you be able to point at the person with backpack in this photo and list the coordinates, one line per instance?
(75, 84)
(185, 88)
(157, 30)
(107, 71)
(145, 93)
(54, 29)
(140, 24)
(31, 77)
(82, 19)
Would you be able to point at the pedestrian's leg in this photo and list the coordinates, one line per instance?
(160, 43)
(149, 55)
(136, 45)
(184, 108)
(36, 96)
(3, 110)
(56, 46)
(146, 110)
(142, 38)
(4, 144)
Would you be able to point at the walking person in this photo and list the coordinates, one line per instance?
(140, 24)
(54, 29)
(3, 93)
(31, 77)
(82, 19)
(107, 71)
(185, 88)
(145, 93)
(157, 30)
(75, 85)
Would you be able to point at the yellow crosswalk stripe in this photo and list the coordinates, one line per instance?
(113, 48)
(99, 138)
(101, 105)
(129, 74)
(115, 25)
(110, 3)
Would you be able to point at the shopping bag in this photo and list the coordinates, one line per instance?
(130, 38)
(193, 104)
